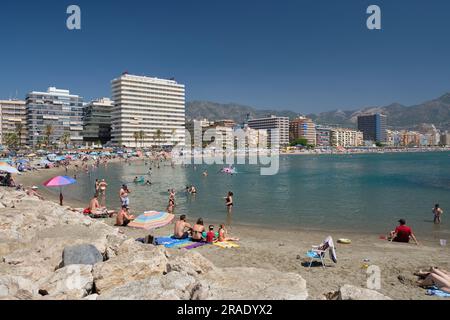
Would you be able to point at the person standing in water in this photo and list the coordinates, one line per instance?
(437, 211)
(229, 202)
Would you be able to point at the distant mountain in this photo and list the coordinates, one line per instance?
(435, 112)
(216, 111)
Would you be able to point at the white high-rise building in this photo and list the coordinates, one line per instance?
(148, 112)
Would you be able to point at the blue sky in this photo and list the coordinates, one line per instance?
(307, 56)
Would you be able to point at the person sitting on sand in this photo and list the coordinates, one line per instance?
(223, 235)
(182, 228)
(403, 233)
(197, 231)
(211, 235)
(95, 208)
(124, 217)
(437, 211)
(436, 277)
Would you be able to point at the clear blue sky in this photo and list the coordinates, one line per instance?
(307, 56)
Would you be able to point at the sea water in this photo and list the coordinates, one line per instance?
(364, 193)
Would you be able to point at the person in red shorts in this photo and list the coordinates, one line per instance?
(403, 233)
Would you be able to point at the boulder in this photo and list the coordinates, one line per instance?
(349, 292)
(13, 287)
(129, 267)
(189, 262)
(73, 281)
(86, 254)
(173, 286)
(254, 284)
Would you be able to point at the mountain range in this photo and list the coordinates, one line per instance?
(436, 111)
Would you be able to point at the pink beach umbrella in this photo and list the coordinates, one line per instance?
(60, 181)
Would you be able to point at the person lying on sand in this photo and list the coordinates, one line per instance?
(436, 277)
(403, 233)
(124, 217)
(33, 192)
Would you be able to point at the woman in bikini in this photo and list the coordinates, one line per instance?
(223, 235)
(197, 231)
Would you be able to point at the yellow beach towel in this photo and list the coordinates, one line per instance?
(226, 244)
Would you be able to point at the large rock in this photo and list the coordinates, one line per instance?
(129, 267)
(173, 286)
(12, 287)
(189, 262)
(86, 254)
(349, 292)
(254, 284)
(74, 281)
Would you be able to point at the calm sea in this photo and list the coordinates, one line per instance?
(343, 192)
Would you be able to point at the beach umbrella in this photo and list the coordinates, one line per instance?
(152, 220)
(59, 181)
(5, 167)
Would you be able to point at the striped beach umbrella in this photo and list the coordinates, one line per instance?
(152, 220)
(59, 181)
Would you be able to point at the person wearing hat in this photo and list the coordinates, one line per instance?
(403, 233)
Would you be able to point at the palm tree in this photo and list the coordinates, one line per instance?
(65, 139)
(48, 133)
(158, 135)
(136, 138)
(142, 136)
(19, 129)
(11, 139)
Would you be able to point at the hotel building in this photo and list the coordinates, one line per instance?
(346, 138)
(303, 128)
(373, 127)
(59, 109)
(97, 121)
(153, 106)
(13, 120)
(323, 136)
(281, 124)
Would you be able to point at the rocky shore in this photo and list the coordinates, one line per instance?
(50, 252)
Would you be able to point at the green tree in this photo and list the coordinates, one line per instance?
(142, 136)
(158, 136)
(136, 138)
(11, 140)
(19, 129)
(48, 132)
(65, 139)
(300, 142)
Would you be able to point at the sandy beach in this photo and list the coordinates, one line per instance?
(284, 250)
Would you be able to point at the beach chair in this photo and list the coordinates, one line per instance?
(317, 253)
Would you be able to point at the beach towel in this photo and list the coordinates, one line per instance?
(226, 245)
(435, 291)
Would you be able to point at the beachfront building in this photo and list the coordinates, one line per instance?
(219, 130)
(53, 114)
(373, 127)
(196, 128)
(410, 138)
(346, 138)
(150, 107)
(445, 139)
(253, 138)
(393, 138)
(97, 121)
(13, 121)
(323, 136)
(303, 128)
(277, 128)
